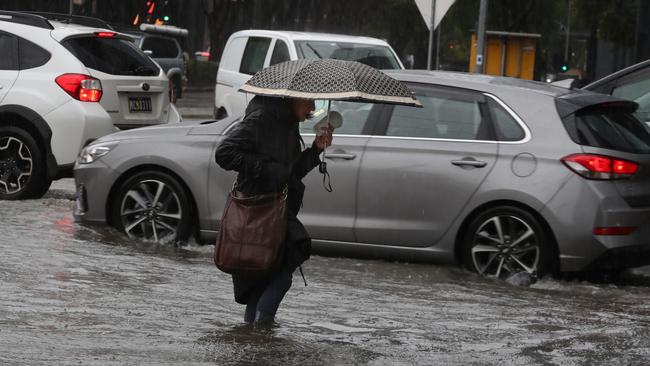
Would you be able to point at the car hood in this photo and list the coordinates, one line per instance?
(180, 129)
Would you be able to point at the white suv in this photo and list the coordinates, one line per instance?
(62, 86)
(249, 51)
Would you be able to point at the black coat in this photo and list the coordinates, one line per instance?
(265, 148)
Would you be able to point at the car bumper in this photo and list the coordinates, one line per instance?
(77, 124)
(583, 205)
(93, 184)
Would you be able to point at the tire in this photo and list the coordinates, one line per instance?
(523, 244)
(220, 113)
(22, 167)
(177, 89)
(140, 215)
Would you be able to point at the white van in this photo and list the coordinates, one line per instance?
(249, 51)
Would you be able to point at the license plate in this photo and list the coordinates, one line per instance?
(140, 104)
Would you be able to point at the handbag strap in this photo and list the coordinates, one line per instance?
(259, 197)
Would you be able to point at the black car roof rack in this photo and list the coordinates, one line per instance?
(74, 19)
(25, 18)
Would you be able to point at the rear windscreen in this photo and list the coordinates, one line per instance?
(608, 128)
(111, 55)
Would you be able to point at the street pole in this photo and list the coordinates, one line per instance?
(433, 29)
(568, 33)
(480, 37)
(71, 6)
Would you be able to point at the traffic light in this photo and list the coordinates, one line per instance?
(564, 67)
(166, 18)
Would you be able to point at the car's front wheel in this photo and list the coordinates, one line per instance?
(22, 169)
(153, 206)
(506, 240)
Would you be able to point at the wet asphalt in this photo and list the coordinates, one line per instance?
(73, 294)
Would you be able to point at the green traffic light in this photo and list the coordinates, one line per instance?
(166, 18)
(564, 68)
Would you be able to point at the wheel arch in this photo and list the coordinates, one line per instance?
(111, 202)
(30, 121)
(488, 205)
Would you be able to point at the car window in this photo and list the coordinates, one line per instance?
(445, 115)
(379, 57)
(354, 116)
(111, 55)
(8, 61)
(31, 55)
(254, 55)
(280, 52)
(608, 128)
(160, 47)
(506, 127)
(637, 90)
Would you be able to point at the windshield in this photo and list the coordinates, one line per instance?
(380, 57)
(111, 55)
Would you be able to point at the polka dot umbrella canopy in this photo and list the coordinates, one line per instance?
(329, 79)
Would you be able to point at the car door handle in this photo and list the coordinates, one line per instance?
(345, 156)
(469, 162)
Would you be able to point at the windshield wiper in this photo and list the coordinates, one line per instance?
(143, 70)
(314, 50)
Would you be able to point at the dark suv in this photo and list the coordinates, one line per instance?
(159, 42)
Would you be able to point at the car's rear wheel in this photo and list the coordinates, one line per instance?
(506, 240)
(22, 169)
(153, 206)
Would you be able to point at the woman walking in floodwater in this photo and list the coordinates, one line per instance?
(266, 150)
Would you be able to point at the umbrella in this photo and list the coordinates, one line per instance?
(329, 79)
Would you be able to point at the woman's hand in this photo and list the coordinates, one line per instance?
(323, 140)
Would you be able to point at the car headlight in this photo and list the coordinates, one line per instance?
(91, 153)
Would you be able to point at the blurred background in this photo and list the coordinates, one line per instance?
(583, 38)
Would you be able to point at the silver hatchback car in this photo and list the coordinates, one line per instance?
(501, 175)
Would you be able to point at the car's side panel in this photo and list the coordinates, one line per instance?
(7, 79)
(410, 191)
(331, 214)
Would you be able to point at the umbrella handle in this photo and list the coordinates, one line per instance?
(322, 167)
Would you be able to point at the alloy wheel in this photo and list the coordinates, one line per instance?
(151, 210)
(504, 245)
(16, 165)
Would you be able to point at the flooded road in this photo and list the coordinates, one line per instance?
(71, 294)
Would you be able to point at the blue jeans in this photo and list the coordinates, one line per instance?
(264, 301)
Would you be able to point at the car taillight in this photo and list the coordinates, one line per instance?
(81, 87)
(105, 34)
(600, 167)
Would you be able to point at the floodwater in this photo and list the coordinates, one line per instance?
(71, 294)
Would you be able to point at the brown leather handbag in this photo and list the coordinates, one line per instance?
(252, 234)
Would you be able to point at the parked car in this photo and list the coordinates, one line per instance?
(631, 83)
(202, 56)
(249, 51)
(61, 86)
(499, 174)
(161, 44)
